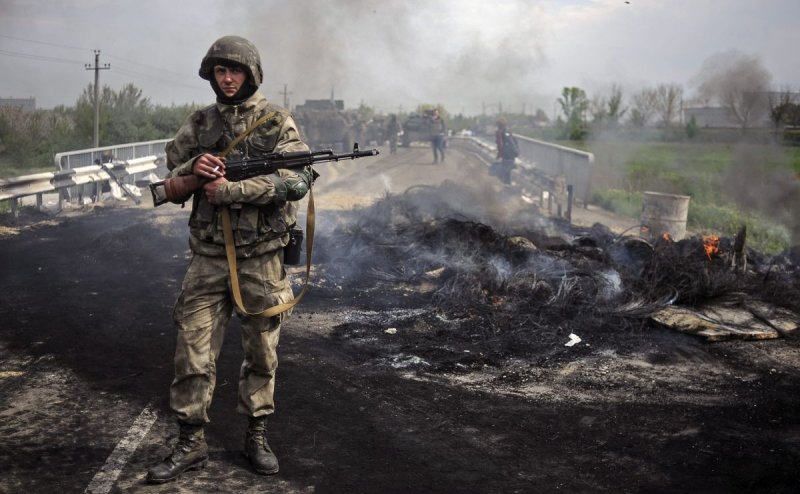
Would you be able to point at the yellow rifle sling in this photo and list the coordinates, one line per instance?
(230, 247)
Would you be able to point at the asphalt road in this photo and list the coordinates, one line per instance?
(375, 391)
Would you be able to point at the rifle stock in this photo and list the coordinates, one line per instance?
(178, 190)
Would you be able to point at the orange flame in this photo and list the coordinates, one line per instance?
(711, 245)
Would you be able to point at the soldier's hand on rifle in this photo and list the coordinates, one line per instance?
(209, 166)
(210, 188)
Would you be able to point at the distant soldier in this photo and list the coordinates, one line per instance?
(438, 132)
(392, 131)
(507, 151)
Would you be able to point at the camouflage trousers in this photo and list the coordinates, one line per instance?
(202, 312)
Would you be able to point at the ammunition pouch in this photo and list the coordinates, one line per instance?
(291, 253)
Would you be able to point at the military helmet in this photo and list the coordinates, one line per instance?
(232, 49)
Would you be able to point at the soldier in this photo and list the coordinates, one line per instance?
(262, 209)
(507, 151)
(392, 131)
(438, 131)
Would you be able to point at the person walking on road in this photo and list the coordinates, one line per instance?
(392, 132)
(262, 211)
(507, 151)
(438, 132)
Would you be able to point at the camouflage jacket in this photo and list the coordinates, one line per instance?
(260, 218)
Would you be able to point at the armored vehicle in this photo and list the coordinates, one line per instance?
(417, 128)
(324, 124)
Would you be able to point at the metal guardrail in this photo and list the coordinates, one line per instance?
(122, 152)
(76, 169)
(41, 183)
(553, 160)
(556, 172)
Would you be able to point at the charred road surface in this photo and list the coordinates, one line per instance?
(430, 355)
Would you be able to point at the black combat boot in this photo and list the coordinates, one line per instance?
(256, 448)
(190, 452)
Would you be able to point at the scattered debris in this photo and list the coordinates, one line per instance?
(573, 340)
(718, 322)
(512, 278)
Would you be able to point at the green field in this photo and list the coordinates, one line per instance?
(8, 170)
(730, 185)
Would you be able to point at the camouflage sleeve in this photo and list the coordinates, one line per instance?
(278, 187)
(182, 150)
(290, 138)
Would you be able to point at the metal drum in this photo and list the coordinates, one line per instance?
(664, 214)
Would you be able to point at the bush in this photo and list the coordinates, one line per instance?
(762, 234)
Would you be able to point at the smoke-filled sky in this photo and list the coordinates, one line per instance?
(469, 55)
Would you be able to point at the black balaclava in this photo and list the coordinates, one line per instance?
(248, 87)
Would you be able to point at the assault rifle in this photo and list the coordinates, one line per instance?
(177, 190)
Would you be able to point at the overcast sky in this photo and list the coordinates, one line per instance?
(468, 55)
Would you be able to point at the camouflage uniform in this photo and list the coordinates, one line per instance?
(263, 210)
(261, 217)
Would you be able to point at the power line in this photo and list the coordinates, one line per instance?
(53, 59)
(32, 56)
(42, 58)
(44, 43)
(160, 69)
(157, 79)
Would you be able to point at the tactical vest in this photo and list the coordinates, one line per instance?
(256, 229)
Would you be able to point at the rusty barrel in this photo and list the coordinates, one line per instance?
(664, 213)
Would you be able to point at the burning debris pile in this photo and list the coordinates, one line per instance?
(538, 274)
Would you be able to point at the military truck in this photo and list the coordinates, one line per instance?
(324, 124)
(417, 128)
(375, 132)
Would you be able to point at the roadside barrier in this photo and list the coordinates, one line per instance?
(558, 174)
(12, 189)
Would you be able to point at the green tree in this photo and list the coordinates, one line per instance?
(615, 109)
(167, 119)
(691, 128)
(574, 104)
(28, 140)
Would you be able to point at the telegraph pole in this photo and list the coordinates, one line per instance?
(97, 68)
(286, 94)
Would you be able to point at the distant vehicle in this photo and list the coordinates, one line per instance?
(324, 124)
(375, 132)
(417, 128)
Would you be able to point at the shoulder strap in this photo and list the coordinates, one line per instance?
(246, 133)
(230, 252)
(230, 247)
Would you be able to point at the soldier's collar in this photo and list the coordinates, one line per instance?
(245, 106)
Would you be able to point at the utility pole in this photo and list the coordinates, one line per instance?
(97, 68)
(286, 94)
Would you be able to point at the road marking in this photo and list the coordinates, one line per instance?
(104, 480)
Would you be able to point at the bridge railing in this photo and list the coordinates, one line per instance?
(38, 184)
(557, 173)
(554, 160)
(79, 174)
(123, 152)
